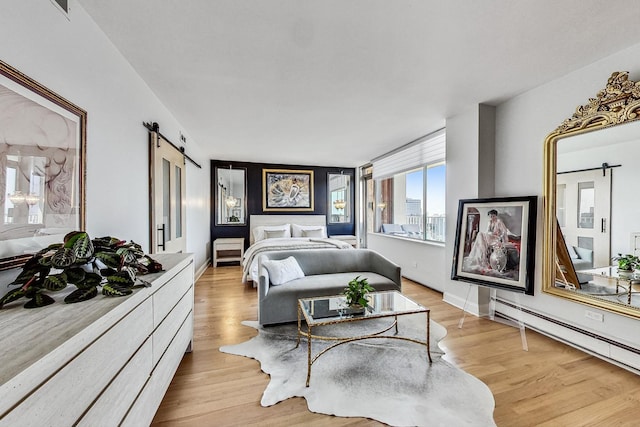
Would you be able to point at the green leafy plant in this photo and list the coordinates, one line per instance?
(356, 291)
(106, 262)
(627, 262)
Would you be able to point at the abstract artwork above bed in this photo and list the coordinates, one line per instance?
(287, 190)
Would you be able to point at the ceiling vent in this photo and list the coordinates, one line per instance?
(62, 6)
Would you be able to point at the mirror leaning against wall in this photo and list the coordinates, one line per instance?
(591, 202)
(339, 197)
(231, 206)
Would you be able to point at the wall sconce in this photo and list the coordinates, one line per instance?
(230, 201)
(32, 199)
(16, 197)
(339, 204)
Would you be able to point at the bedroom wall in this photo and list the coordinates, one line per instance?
(254, 197)
(75, 59)
(521, 127)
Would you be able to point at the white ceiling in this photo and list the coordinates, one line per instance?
(339, 82)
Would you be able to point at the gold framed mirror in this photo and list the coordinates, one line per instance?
(590, 202)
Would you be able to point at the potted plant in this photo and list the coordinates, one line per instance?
(626, 263)
(107, 263)
(356, 292)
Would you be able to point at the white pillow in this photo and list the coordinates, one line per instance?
(296, 230)
(283, 271)
(572, 252)
(258, 232)
(313, 233)
(274, 234)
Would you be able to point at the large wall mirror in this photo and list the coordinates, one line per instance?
(231, 203)
(339, 197)
(592, 210)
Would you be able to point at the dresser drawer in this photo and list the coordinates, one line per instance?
(64, 397)
(164, 333)
(165, 298)
(113, 404)
(145, 407)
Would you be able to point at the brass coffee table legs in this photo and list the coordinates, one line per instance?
(343, 340)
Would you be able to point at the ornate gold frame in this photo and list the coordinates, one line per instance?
(617, 103)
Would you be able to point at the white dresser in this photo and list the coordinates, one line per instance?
(103, 362)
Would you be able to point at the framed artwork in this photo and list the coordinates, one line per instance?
(42, 167)
(495, 243)
(287, 190)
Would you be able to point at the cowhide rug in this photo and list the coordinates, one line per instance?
(383, 379)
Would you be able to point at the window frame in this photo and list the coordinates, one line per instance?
(382, 205)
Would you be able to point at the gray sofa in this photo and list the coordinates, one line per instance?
(327, 272)
(582, 259)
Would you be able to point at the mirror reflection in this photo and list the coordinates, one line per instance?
(24, 188)
(339, 197)
(230, 196)
(596, 210)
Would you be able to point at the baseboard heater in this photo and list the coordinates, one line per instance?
(573, 328)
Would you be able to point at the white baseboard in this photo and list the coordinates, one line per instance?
(457, 301)
(469, 306)
(200, 271)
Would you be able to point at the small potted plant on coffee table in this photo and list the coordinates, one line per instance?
(626, 263)
(356, 294)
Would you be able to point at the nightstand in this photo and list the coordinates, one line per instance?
(228, 250)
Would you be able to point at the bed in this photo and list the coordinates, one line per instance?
(270, 233)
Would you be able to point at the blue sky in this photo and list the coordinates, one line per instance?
(436, 183)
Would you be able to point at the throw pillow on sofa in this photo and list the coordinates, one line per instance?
(283, 271)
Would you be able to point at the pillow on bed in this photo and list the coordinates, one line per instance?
(258, 232)
(296, 230)
(283, 270)
(274, 234)
(313, 233)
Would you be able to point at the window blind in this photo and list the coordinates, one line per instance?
(424, 151)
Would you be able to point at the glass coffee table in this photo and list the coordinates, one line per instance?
(323, 311)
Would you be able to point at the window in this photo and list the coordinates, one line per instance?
(411, 204)
(410, 190)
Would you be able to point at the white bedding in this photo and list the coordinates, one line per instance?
(251, 255)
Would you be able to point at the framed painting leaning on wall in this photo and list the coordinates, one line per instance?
(42, 167)
(287, 190)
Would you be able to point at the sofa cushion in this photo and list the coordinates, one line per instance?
(572, 252)
(283, 271)
(329, 284)
(392, 228)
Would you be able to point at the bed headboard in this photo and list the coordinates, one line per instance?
(260, 220)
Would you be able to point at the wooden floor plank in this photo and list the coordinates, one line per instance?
(550, 385)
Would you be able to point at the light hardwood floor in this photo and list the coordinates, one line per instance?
(550, 385)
